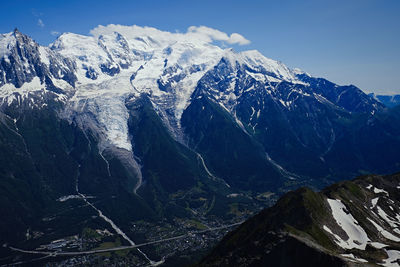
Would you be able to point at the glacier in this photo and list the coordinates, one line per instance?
(116, 62)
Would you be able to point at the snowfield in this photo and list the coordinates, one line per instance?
(357, 237)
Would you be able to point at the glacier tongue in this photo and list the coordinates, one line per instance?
(106, 102)
(112, 116)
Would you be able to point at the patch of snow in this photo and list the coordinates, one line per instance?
(8, 90)
(374, 201)
(377, 191)
(351, 256)
(338, 240)
(385, 233)
(387, 218)
(65, 198)
(44, 55)
(392, 259)
(377, 245)
(357, 237)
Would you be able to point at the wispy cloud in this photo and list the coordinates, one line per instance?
(36, 13)
(55, 33)
(40, 23)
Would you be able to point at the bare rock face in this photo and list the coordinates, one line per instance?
(26, 60)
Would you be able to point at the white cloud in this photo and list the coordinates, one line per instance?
(55, 33)
(40, 23)
(237, 38)
(213, 34)
(194, 33)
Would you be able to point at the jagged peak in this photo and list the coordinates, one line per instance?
(9, 40)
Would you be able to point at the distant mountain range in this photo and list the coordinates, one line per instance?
(352, 223)
(388, 100)
(154, 125)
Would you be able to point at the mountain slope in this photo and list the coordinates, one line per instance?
(348, 223)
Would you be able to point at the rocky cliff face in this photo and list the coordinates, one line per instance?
(23, 59)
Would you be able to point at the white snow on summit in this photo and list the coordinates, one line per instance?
(256, 59)
(117, 61)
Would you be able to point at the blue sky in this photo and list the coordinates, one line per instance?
(346, 41)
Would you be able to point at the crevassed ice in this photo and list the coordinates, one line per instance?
(106, 101)
(113, 115)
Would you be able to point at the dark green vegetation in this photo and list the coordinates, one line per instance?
(291, 233)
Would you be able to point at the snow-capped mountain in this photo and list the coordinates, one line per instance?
(119, 61)
(157, 125)
(96, 74)
(112, 65)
